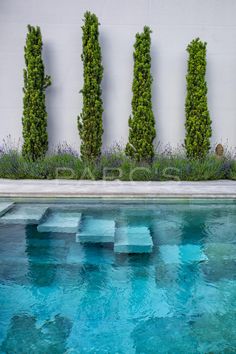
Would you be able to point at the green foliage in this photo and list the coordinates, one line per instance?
(177, 167)
(115, 165)
(232, 174)
(142, 122)
(10, 165)
(34, 109)
(198, 122)
(90, 120)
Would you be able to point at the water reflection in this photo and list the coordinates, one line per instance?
(26, 336)
(58, 296)
(41, 257)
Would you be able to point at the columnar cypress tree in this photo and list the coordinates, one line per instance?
(34, 109)
(198, 122)
(142, 122)
(90, 120)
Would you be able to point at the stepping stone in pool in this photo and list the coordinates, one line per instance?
(192, 253)
(60, 221)
(4, 207)
(133, 239)
(96, 231)
(182, 254)
(24, 214)
(220, 251)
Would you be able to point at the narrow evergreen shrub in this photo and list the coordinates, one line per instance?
(90, 120)
(142, 122)
(34, 109)
(198, 122)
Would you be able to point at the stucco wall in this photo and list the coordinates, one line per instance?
(174, 23)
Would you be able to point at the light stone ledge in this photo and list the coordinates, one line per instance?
(116, 189)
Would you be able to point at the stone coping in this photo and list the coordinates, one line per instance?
(116, 189)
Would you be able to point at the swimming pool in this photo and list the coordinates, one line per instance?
(60, 294)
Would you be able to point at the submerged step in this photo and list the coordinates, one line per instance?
(182, 254)
(220, 251)
(133, 239)
(4, 207)
(60, 221)
(96, 231)
(24, 214)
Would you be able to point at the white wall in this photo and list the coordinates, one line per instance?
(174, 23)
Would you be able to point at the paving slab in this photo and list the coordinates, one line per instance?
(95, 230)
(60, 221)
(24, 214)
(133, 239)
(4, 207)
(182, 254)
(130, 189)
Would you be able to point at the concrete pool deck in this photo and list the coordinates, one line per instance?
(116, 189)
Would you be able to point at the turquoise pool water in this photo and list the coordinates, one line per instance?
(60, 296)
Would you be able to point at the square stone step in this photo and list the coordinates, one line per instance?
(24, 214)
(219, 252)
(4, 207)
(96, 231)
(133, 239)
(60, 221)
(182, 254)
